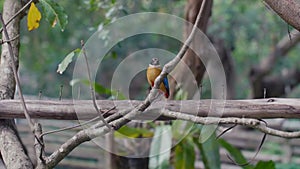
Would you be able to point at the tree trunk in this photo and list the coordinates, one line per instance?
(288, 10)
(190, 58)
(12, 150)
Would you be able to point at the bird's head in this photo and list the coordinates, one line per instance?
(154, 62)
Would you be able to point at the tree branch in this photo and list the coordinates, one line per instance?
(17, 14)
(288, 10)
(254, 123)
(14, 68)
(66, 110)
(91, 86)
(12, 150)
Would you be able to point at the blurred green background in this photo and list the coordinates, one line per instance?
(248, 28)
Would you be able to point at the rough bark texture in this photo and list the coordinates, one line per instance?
(12, 150)
(65, 110)
(191, 59)
(288, 10)
(276, 85)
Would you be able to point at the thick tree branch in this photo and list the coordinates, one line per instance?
(16, 76)
(66, 110)
(288, 10)
(17, 14)
(12, 151)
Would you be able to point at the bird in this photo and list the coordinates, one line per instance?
(153, 71)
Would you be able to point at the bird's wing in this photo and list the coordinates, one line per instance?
(166, 84)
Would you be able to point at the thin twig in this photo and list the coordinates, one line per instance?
(78, 125)
(16, 14)
(225, 131)
(91, 86)
(253, 123)
(60, 91)
(289, 32)
(10, 40)
(18, 84)
(40, 95)
(253, 158)
(13, 66)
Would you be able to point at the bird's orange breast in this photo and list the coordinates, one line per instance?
(152, 73)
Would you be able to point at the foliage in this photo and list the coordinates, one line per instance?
(54, 13)
(160, 150)
(67, 60)
(100, 89)
(209, 151)
(236, 154)
(185, 155)
(265, 164)
(125, 132)
(287, 166)
(33, 18)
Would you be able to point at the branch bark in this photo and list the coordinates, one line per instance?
(288, 10)
(66, 110)
(11, 147)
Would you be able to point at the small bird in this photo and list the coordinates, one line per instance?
(153, 71)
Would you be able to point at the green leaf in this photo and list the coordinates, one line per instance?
(67, 60)
(160, 149)
(291, 165)
(114, 55)
(235, 153)
(125, 132)
(100, 89)
(265, 165)
(185, 155)
(209, 152)
(181, 128)
(54, 13)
